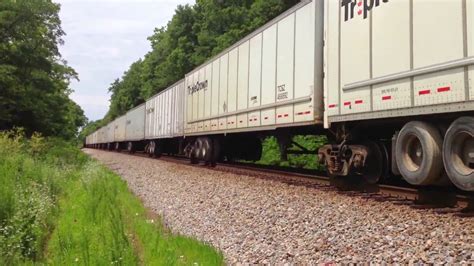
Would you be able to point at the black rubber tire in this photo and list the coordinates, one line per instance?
(206, 149)
(118, 146)
(429, 171)
(386, 161)
(193, 157)
(375, 163)
(149, 149)
(460, 136)
(130, 147)
(198, 149)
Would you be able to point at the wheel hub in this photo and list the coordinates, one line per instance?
(414, 153)
(463, 153)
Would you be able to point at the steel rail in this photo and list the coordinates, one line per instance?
(291, 176)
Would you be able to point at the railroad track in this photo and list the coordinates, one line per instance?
(440, 200)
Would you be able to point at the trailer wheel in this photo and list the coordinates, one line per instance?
(198, 148)
(206, 149)
(418, 154)
(130, 147)
(154, 149)
(150, 148)
(458, 153)
(117, 146)
(195, 155)
(376, 165)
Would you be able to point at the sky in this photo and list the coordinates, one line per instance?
(103, 38)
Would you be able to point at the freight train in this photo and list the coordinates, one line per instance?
(391, 83)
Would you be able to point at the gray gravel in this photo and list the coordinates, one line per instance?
(254, 220)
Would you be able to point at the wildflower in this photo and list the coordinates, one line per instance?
(76, 260)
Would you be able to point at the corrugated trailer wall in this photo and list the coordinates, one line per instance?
(265, 81)
(135, 123)
(103, 138)
(94, 137)
(97, 136)
(100, 135)
(164, 113)
(110, 133)
(119, 133)
(470, 33)
(398, 58)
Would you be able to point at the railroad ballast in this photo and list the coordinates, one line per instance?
(391, 83)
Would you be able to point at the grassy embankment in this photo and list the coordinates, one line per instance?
(57, 206)
(271, 153)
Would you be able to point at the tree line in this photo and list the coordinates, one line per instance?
(34, 79)
(194, 34)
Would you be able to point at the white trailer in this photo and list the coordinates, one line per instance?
(101, 136)
(270, 79)
(120, 125)
(110, 133)
(402, 58)
(164, 120)
(164, 113)
(95, 137)
(403, 70)
(135, 124)
(135, 127)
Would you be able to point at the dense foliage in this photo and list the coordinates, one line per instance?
(59, 207)
(34, 80)
(33, 174)
(271, 153)
(194, 34)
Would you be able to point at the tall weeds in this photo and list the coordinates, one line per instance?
(58, 206)
(31, 179)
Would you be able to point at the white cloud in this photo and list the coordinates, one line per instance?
(103, 38)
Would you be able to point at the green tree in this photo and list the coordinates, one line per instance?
(34, 80)
(127, 92)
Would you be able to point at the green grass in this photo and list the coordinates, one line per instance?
(103, 223)
(57, 206)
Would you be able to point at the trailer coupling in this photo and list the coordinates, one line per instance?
(342, 159)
